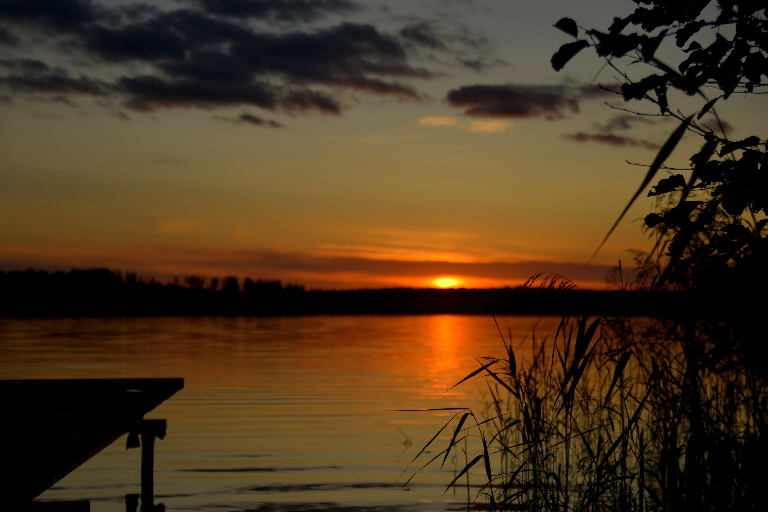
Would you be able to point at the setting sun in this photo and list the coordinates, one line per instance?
(446, 282)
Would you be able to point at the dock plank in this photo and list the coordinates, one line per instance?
(50, 427)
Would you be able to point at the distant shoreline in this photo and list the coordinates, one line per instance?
(106, 293)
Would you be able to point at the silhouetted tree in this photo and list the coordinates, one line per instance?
(711, 228)
(230, 285)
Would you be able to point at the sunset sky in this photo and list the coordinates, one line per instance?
(330, 143)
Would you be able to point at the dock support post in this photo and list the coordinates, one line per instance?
(148, 430)
(147, 467)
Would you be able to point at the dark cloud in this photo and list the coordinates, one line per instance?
(60, 14)
(284, 10)
(347, 54)
(246, 118)
(210, 56)
(615, 132)
(35, 77)
(519, 101)
(150, 92)
(208, 66)
(6, 38)
(141, 41)
(303, 101)
(162, 36)
(610, 139)
(25, 65)
(251, 119)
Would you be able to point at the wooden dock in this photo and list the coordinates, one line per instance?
(50, 427)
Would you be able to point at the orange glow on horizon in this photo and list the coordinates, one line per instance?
(166, 262)
(446, 282)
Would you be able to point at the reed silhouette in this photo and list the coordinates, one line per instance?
(618, 413)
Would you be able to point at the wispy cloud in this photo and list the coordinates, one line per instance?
(618, 132)
(489, 126)
(251, 119)
(494, 126)
(610, 139)
(438, 121)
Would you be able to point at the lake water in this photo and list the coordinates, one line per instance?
(277, 414)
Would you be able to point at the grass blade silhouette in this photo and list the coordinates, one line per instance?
(662, 155)
(483, 367)
(466, 468)
(433, 438)
(455, 435)
(617, 373)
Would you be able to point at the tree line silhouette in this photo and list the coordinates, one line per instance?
(105, 292)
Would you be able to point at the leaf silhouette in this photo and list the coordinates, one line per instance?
(730, 147)
(664, 152)
(566, 53)
(568, 26)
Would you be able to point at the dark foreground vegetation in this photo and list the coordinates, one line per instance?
(102, 292)
(668, 412)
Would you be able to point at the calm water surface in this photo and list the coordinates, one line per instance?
(280, 414)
